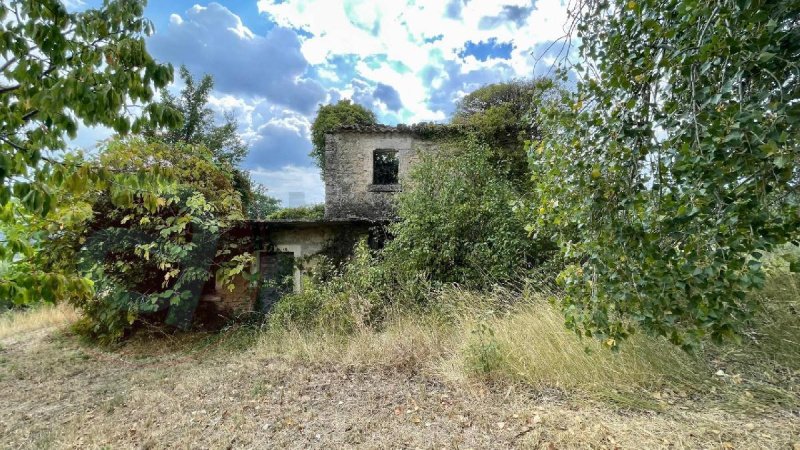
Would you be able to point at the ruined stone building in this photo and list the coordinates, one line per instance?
(364, 168)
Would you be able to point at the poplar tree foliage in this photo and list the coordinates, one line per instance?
(331, 117)
(674, 166)
(59, 69)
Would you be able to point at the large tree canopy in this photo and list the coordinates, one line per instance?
(674, 166)
(199, 127)
(506, 117)
(503, 111)
(59, 69)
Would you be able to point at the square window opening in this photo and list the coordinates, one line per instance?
(385, 167)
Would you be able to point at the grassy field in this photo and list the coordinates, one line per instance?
(472, 379)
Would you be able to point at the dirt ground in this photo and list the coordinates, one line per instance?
(58, 393)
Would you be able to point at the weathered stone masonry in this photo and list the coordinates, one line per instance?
(349, 157)
(357, 205)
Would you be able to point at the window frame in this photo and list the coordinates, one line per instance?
(395, 176)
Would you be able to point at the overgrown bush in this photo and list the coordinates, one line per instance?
(357, 295)
(457, 220)
(149, 251)
(331, 117)
(310, 212)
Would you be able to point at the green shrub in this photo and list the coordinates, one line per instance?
(357, 295)
(331, 117)
(149, 252)
(311, 212)
(506, 116)
(458, 222)
(483, 356)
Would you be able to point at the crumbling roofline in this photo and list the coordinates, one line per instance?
(422, 130)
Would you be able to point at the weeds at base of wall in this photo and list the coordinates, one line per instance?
(468, 339)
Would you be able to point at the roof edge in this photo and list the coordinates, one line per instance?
(422, 129)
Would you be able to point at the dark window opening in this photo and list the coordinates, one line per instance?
(277, 279)
(385, 167)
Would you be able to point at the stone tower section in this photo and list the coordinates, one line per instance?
(365, 166)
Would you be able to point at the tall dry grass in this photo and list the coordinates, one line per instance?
(39, 317)
(527, 344)
(467, 341)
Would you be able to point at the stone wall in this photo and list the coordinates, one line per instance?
(349, 192)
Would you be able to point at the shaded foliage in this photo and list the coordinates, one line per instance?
(353, 296)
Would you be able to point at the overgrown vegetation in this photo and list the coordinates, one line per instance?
(137, 231)
(331, 117)
(458, 223)
(518, 338)
(505, 116)
(673, 168)
(59, 69)
(662, 180)
(199, 128)
(310, 212)
(154, 256)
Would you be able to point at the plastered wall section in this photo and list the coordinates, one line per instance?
(349, 192)
(304, 244)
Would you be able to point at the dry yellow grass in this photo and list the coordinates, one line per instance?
(414, 383)
(533, 346)
(529, 346)
(36, 318)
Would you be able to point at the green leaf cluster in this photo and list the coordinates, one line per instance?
(151, 247)
(505, 116)
(58, 70)
(673, 168)
(331, 117)
(458, 222)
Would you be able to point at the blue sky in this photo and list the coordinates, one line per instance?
(275, 61)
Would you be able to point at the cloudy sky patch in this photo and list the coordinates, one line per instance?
(275, 61)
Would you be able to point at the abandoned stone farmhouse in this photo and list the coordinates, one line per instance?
(364, 168)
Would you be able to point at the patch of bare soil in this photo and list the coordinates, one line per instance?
(58, 393)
